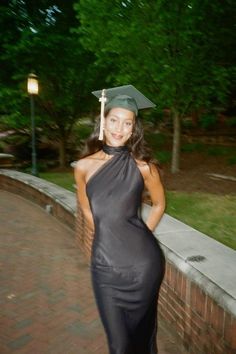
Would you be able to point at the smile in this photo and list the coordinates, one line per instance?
(117, 136)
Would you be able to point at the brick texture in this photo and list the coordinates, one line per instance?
(204, 326)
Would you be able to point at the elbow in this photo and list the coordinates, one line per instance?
(160, 207)
(163, 207)
(159, 210)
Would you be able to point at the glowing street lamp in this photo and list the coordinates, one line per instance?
(32, 84)
(33, 89)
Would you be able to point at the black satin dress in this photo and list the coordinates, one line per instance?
(127, 263)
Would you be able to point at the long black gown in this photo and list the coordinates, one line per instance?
(127, 264)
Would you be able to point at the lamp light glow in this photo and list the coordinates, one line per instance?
(32, 84)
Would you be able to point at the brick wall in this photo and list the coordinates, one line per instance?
(198, 310)
(84, 235)
(41, 195)
(204, 326)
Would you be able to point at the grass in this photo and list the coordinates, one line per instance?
(211, 214)
(63, 179)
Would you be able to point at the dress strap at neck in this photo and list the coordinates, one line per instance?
(112, 150)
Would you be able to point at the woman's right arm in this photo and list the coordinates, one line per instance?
(80, 178)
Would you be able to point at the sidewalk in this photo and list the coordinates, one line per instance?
(46, 301)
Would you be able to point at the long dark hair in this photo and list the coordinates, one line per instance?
(136, 143)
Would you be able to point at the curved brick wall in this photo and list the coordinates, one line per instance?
(198, 295)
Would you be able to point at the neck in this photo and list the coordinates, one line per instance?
(112, 150)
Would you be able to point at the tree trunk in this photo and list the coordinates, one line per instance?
(175, 163)
(62, 152)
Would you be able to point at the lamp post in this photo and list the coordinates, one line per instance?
(33, 88)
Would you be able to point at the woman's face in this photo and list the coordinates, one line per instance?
(118, 127)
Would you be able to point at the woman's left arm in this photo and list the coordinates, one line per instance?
(154, 186)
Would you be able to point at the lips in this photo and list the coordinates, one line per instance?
(117, 136)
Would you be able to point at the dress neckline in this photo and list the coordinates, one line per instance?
(113, 150)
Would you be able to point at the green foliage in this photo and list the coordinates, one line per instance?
(208, 121)
(39, 37)
(181, 54)
(213, 150)
(232, 160)
(19, 145)
(14, 105)
(42, 166)
(162, 156)
(82, 131)
(227, 152)
(170, 51)
(219, 150)
(187, 123)
(191, 147)
(231, 122)
(155, 140)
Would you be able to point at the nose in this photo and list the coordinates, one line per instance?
(119, 127)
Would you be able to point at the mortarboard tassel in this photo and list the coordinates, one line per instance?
(102, 99)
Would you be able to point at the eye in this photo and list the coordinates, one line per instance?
(129, 124)
(113, 120)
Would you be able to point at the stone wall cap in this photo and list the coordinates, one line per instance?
(59, 194)
(199, 256)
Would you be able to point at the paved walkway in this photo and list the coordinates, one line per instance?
(46, 301)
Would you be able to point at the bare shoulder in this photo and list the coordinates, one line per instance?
(81, 167)
(147, 170)
(87, 165)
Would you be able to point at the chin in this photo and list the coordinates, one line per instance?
(115, 142)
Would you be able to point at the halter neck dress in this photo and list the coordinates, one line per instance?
(127, 263)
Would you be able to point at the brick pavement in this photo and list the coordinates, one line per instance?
(46, 301)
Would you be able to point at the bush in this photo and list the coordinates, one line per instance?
(19, 145)
(82, 131)
(231, 122)
(232, 160)
(192, 147)
(218, 151)
(208, 121)
(155, 140)
(162, 156)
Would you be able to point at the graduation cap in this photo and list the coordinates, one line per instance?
(126, 96)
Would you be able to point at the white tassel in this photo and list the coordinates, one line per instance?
(103, 100)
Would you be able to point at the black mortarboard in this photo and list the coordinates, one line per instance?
(126, 96)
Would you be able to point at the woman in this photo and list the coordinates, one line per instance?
(127, 264)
